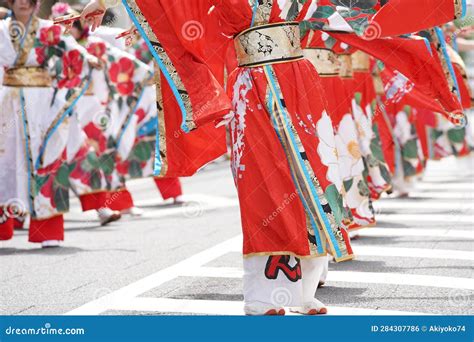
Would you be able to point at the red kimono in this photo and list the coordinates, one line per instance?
(285, 176)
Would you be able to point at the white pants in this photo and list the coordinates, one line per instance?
(281, 281)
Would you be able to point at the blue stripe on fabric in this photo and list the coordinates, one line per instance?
(158, 60)
(428, 45)
(440, 35)
(158, 162)
(119, 139)
(313, 223)
(313, 190)
(27, 150)
(254, 13)
(148, 127)
(60, 121)
(464, 8)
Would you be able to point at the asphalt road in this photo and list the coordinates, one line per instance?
(186, 260)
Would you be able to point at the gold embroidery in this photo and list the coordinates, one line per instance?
(346, 66)
(360, 61)
(161, 124)
(269, 44)
(28, 41)
(27, 77)
(264, 9)
(458, 9)
(325, 61)
(167, 63)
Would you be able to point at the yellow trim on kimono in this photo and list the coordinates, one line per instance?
(325, 61)
(27, 77)
(360, 61)
(346, 66)
(269, 44)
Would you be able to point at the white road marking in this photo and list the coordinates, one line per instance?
(354, 277)
(430, 218)
(435, 186)
(456, 195)
(233, 308)
(405, 232)
(407, 203)
(441, 188)
(443, 254)
(156, 279)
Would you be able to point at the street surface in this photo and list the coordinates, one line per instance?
(186, 259)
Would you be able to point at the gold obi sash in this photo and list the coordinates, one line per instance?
(268, 44)
(325, 61)
(27, 77)
(360, 61)
(379, 87)
(346, 66)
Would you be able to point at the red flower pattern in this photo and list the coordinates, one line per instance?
(72, 69)
(97, 49)
(140, 113)
(50, 36)
(40, 55)
(121, 74)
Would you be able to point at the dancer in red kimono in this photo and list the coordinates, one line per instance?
(321, 49)
(287, 217)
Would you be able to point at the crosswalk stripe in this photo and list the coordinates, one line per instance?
(407, 203)
(354, 277)
(427, 218)
(457, 195)
(220, 307)
(156, 279)
(413, 253)
(403, 232)
(435, 186)
(399, 252)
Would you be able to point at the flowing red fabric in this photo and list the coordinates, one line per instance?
(414, 14)
(464, 88)
(186, 153)
(413, 59)
(208, 99)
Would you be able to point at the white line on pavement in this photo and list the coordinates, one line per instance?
(428, 218)
(457, 195)
(413, 253)
(407, 203)
(156, 279)
(354, 277)
(435, 186)
(405, 232)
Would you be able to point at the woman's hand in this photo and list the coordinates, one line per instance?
(94, 6)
